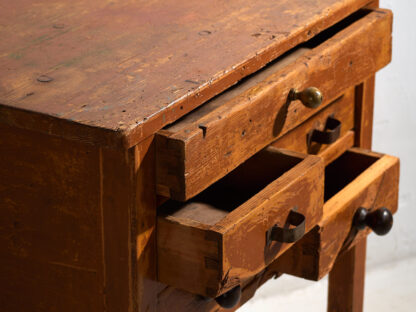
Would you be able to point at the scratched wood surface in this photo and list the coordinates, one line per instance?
(211, 257)
(108, 72)
(77, 225)
(240, 122)
(50, 238)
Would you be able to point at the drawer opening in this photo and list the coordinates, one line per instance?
(344, 170)
(241, 184)
(251, 80)
(333, 30)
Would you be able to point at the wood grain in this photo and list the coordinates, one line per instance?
(210, 259)
(77, 225)
(203, 149)
(122, 70)
(143, 229)
(364, 113)
(350, 269)
(51, 251)
(338, 148)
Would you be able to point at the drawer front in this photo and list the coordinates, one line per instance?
(213, 140)
(376, 186)
(323, 130)
(230, 232)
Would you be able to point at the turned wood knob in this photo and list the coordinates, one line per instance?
(229, 299)
(380, 220)
(310, 97)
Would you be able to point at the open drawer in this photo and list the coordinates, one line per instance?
(358, 181)
(205, 145)
(240, 224)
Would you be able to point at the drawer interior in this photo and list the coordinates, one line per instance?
(244, 182)
(218, 238)
(358, 178)
(345, 169)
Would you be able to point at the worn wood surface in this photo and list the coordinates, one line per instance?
(364, 112)
(341, 109)
(77, 225)
(338, 148)
(125, 69)
(143, 227)
(51, 251)
(210, 259)
(350, 294)
(201, 150)
(350, 269)
(375, 186)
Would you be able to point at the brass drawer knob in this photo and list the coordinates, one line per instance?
(310, 97)
(380, 220)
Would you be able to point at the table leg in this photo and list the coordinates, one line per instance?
(346, 280)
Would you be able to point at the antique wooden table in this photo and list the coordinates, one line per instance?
(175, 155)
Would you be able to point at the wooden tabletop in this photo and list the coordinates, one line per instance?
(114, 72)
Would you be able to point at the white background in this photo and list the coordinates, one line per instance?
(391, 260)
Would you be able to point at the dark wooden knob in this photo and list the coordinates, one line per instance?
(229, 299)
(380, 220)
(310, 97)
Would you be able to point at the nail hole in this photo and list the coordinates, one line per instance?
(204, 33)
(44, 78)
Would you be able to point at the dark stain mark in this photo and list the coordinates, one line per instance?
(123, 111)
(250, 120)
(256, 35)
(181, 107)
(351, 62)
(306, 64)
(204, 33)
(192, 81)
(310, 33)
(44, 78)
(85, 105)
(58, 26)
(272, 37)
(227, 154)
(30, 93)
(243, 133)
(284, 33)
(204, 130)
